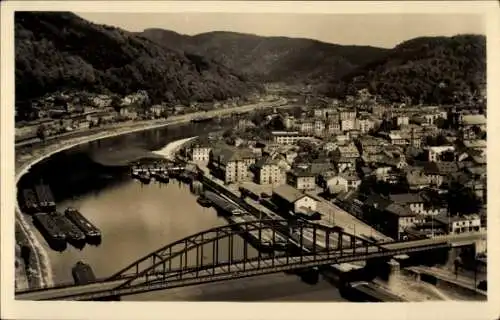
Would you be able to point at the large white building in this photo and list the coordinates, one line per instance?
(200, 153)
(460, 224)
(268, 172)
(288, 137)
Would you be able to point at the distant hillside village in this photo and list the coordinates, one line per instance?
(64, 112)
(407, 171)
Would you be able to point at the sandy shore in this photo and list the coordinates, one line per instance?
(42, 265)
(171, 149)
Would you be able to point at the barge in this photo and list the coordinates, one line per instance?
(92, 233)
(82, 273)
(54, 236)
(45, 197)
(222, 205)
(202, 119)
(30, 202)
(73, 234)
(204, 202)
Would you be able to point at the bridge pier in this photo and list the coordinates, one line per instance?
(481, 246)
(393, 271)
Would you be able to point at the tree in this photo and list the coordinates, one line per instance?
(41, 132)
(276, 124)
(462, 200)
(441, 123)
(476, 129)
(439, 140)
(164, 114)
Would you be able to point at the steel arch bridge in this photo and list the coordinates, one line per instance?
(301, 240)
(230, 252)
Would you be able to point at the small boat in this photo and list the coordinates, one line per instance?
(184, 177)
(204, 202)
(144, 177)
(162, 177)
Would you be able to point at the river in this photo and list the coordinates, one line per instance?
(136, 219)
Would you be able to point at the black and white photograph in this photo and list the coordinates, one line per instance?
(245, 156)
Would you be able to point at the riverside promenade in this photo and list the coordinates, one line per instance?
(40, 268)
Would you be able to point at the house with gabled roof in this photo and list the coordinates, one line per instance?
(301, 179)
(290, 199)
(231, 164)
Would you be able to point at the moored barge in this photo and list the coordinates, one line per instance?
(82, 273)
(92, 233)
(54, 236)
(204, 202)
(202, 119)
(223, 206)
(45, 197)
(73, 234)
(30, 202)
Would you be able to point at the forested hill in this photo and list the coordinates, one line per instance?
(56, 51)
(428, 69)
(271, 58)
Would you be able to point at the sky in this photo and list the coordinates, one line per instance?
(380, 30)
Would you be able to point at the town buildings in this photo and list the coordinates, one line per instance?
(388, 167)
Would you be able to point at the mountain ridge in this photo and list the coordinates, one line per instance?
(61, 51)
(275, 58)
(424, 69)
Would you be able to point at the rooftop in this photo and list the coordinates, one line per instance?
(289, 193)
(474, 119)
(227, 153)
(285, 133)
(301, 173)
(444, 218)
(349, 176)
(394, 136)
(443, 167)
(265, 161)
(377, 201)
(475, 143)
(439, 149)
(406, 198)
(399, 210)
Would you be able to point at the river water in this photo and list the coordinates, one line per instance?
(136, 219)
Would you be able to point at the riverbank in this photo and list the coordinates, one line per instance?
(41, 270)
(171, 149)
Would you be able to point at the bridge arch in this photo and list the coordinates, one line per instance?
(171, 261)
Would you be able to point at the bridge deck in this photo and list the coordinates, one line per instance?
(242, 269)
